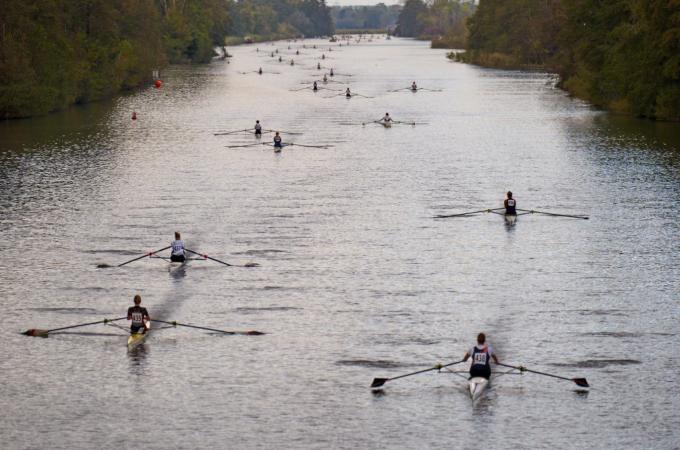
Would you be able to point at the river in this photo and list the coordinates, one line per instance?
(356, 279)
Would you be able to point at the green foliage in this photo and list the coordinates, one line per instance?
(619, 54)
(54, 53)
(442, 21)
(408, 23)
(374, 17)
(278, 19)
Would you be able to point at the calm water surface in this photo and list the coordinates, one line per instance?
(356, 280)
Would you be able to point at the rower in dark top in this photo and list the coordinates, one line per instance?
(414, 86)
(278, 142)
(259, 71)
(258, 129)
(318, 66)
(510, 205)
(177, 252)
(481, 355)
(348, 94)
(315, 87)
(331, 72)
(138, 315)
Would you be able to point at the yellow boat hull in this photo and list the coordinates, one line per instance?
(134, 340)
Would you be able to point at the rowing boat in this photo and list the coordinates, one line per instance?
(136, 339)
(510, 219)
(477, 386)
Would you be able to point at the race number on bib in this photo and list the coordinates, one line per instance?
(480, 358)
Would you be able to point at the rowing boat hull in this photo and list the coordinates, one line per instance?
(135, 340)
(477, 386)
(510, 219)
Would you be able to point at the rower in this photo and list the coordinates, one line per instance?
(258, 129)
(278, 142)
(510, 205)
(348, 94)
(323, 56)
(297, 52)
(325, 78)
(318, 66)
(386, 118)
(331, 74)
(292, 63)
(139, 316)
(280, 59)
(177, 252)
(481, 353)
(414, 88)
(315, 87)
(260, 70)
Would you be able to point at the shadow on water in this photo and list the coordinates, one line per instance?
(137, 359)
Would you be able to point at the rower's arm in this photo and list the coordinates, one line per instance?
(505, 203)
(466, 357)
(495, 358)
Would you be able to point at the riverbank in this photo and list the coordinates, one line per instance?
(665, 110)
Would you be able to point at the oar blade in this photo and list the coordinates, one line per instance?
(378, 382)
(581, 382)
(36, 333)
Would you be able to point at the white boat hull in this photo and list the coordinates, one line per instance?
(477, 386)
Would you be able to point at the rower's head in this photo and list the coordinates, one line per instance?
(277, 133)
(509, 194)
(177, 236)
(481, 338)
(137, 299)
(387, 114)
(257, 121)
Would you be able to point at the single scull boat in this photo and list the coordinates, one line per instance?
(136, 339)
(477, 386)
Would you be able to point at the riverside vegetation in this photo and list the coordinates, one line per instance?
(622, 55)
(54, 53)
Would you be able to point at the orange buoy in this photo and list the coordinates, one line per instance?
(158, 83)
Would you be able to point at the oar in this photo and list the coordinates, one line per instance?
(444, 216)
(532, 211)
(377, 382)
(579, 381)
(140, 257)
(282, 131)
(245, 145)
(177, 324)
(309, 146)
(208, 257)
(45, 333)
(202, 255)
(233, 132)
